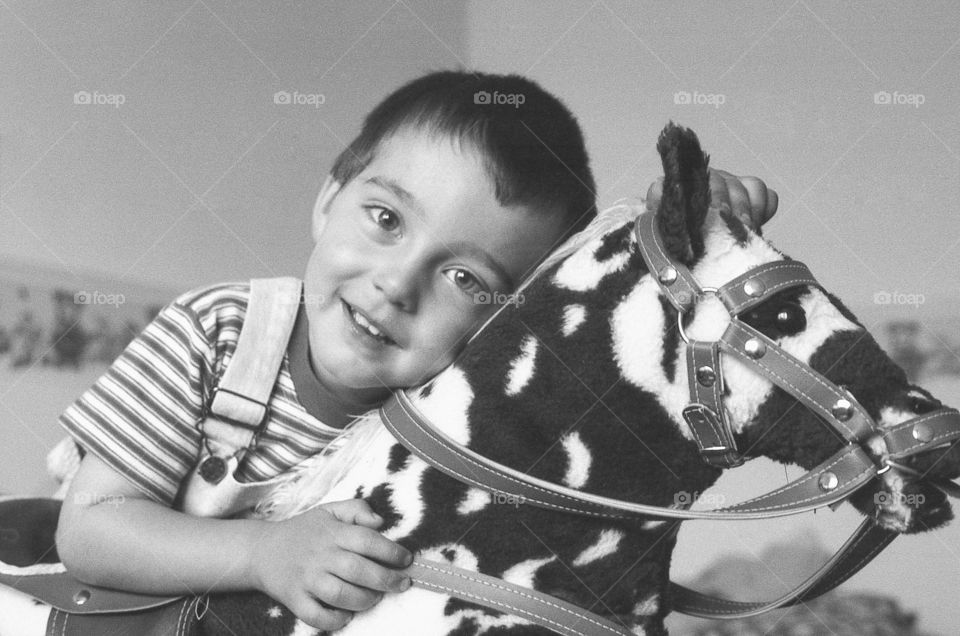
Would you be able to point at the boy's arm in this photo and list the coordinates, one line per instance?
(111, 534)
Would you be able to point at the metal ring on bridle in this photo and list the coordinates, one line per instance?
(680, 314)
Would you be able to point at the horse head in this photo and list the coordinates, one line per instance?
(807, 323)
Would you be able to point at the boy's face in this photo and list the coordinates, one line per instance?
(409, 251)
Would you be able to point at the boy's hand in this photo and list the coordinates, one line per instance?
(330, 562)
(747, 197)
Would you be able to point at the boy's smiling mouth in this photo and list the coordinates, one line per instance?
(366, 326)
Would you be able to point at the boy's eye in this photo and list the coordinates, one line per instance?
(464, 280)
(385, 218)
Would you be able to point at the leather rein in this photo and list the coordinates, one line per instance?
(828, 484)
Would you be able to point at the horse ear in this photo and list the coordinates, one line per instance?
(686, 192)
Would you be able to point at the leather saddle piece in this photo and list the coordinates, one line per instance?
(27, 537)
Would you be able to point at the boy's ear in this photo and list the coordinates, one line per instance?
(329, 190)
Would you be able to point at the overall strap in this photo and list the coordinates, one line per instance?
(238, 408)
(239, 402)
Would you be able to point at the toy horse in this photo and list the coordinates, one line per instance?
(584, 384)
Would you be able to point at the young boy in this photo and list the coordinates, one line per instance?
(444, 194)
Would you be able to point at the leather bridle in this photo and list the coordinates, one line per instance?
(829, 483)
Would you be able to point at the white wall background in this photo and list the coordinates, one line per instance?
(199, 176)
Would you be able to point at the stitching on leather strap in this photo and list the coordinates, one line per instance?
(801, 501)
(527, 596)
(182, 619)
(780, 356)
(477, 482)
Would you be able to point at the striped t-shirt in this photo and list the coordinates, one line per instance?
(141, 416)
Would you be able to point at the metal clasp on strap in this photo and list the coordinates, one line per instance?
(209, 412)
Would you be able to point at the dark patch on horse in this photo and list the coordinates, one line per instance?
(455, 605)
(614, 243)
(398, 457)
(379, 500)
(671, 339)
(467, 627)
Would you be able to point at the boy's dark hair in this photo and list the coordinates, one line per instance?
(531, 144)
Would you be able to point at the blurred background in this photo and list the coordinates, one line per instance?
(149, 148)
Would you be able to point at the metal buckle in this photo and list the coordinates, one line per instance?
(680, 314)
(208, 411)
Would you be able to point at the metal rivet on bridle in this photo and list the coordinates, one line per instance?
(668, 275)
(754, 288)
(754, 348)
(828, 481)
(81, 597)
(842, 410)
(706, 376)
(922, 432)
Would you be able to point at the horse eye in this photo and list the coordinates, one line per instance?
(791, 318)
(919, 406)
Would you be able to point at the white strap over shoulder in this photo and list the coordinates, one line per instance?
(238, 408)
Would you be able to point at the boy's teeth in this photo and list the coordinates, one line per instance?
(363, 322)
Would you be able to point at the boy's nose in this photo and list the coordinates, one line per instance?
(399, 283)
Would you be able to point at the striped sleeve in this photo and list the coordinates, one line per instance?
(140, 416)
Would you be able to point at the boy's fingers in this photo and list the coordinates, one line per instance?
(763, 200)
(772, 202)
(719, 192)
(654, 194)
(363, 572)
(315, 614)
(355, 512)
(340, 594)
(373, 545)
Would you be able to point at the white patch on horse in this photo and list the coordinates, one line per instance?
(524, 572)
(582, 272)
(20, 615)
(606, 544)
(447, 405)
(573, 317)
(896, 514)
(638, 352)
(418, 610)
(474, 501)
(823, 320)
(521, 368)
(579, 459)
(648, 606)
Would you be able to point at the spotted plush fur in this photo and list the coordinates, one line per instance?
(582, 384)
